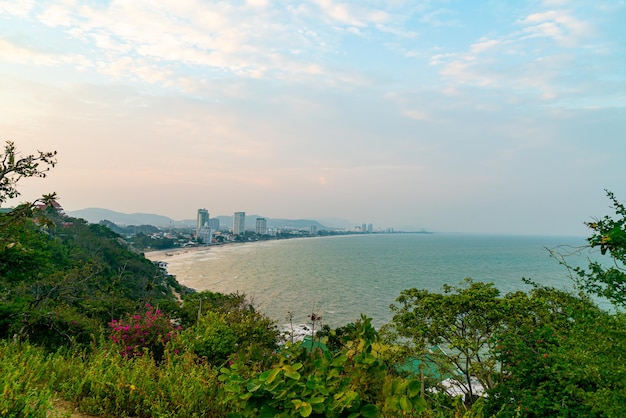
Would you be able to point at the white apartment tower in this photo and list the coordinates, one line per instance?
(261, 226)
(239, 223)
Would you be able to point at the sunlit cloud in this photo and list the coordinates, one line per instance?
(17, 8)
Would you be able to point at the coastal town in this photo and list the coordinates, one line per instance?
(212, 231)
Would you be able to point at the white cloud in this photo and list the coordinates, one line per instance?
(558, 25)
(57, 15)
(352, 15)
(20, 8)
(484, 45)
(340, 12)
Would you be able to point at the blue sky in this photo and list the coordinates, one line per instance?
(487, 116)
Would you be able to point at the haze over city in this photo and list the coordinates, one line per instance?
(493, 117)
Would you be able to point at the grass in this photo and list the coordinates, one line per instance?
(104, 383)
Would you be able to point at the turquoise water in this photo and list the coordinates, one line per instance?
(342, 277)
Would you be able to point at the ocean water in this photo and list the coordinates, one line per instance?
(341, 277)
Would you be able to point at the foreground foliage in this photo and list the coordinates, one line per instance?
(352, 382)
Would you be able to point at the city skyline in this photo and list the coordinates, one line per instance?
(487, 117)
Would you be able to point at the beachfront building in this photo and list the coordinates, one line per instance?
(205, 234)
(261, 226)
(239, 223)
(201, 220)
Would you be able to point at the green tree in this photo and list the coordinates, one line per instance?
(462, 321)
(14, 167)
(560, 356)
(607, 280)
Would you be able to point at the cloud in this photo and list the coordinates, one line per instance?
(57, 15)
(484, 45)
(520, 61)
(341, 13)
(10, 52)
(561, 26)
(17, 8)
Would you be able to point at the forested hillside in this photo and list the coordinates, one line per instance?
(64, 279)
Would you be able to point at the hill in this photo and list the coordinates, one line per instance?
(95, 215)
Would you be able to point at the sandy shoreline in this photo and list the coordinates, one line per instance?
(162, 255)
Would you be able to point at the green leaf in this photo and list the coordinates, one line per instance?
(339, 360)
(253, 386)
(288, 368)
(263, 376)
(420, 404)
(316, 400)
(414, 388)
(305, 409)
(293, 375)
(369, 411)
(269, 375)
(405, 404)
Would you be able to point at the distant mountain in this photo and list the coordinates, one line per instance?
(95, 215)
(337, 223)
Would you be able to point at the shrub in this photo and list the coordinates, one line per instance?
(139, 333)
(211, 338)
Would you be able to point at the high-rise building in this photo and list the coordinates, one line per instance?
(261, 226)
(370, 228)
(239, 223)
(202, 220)
(214, 223)
(364, 228)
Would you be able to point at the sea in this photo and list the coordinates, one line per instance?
(341, 277)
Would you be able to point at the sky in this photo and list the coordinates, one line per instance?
(499, 117)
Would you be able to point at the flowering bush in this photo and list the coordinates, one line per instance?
(140, 333)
